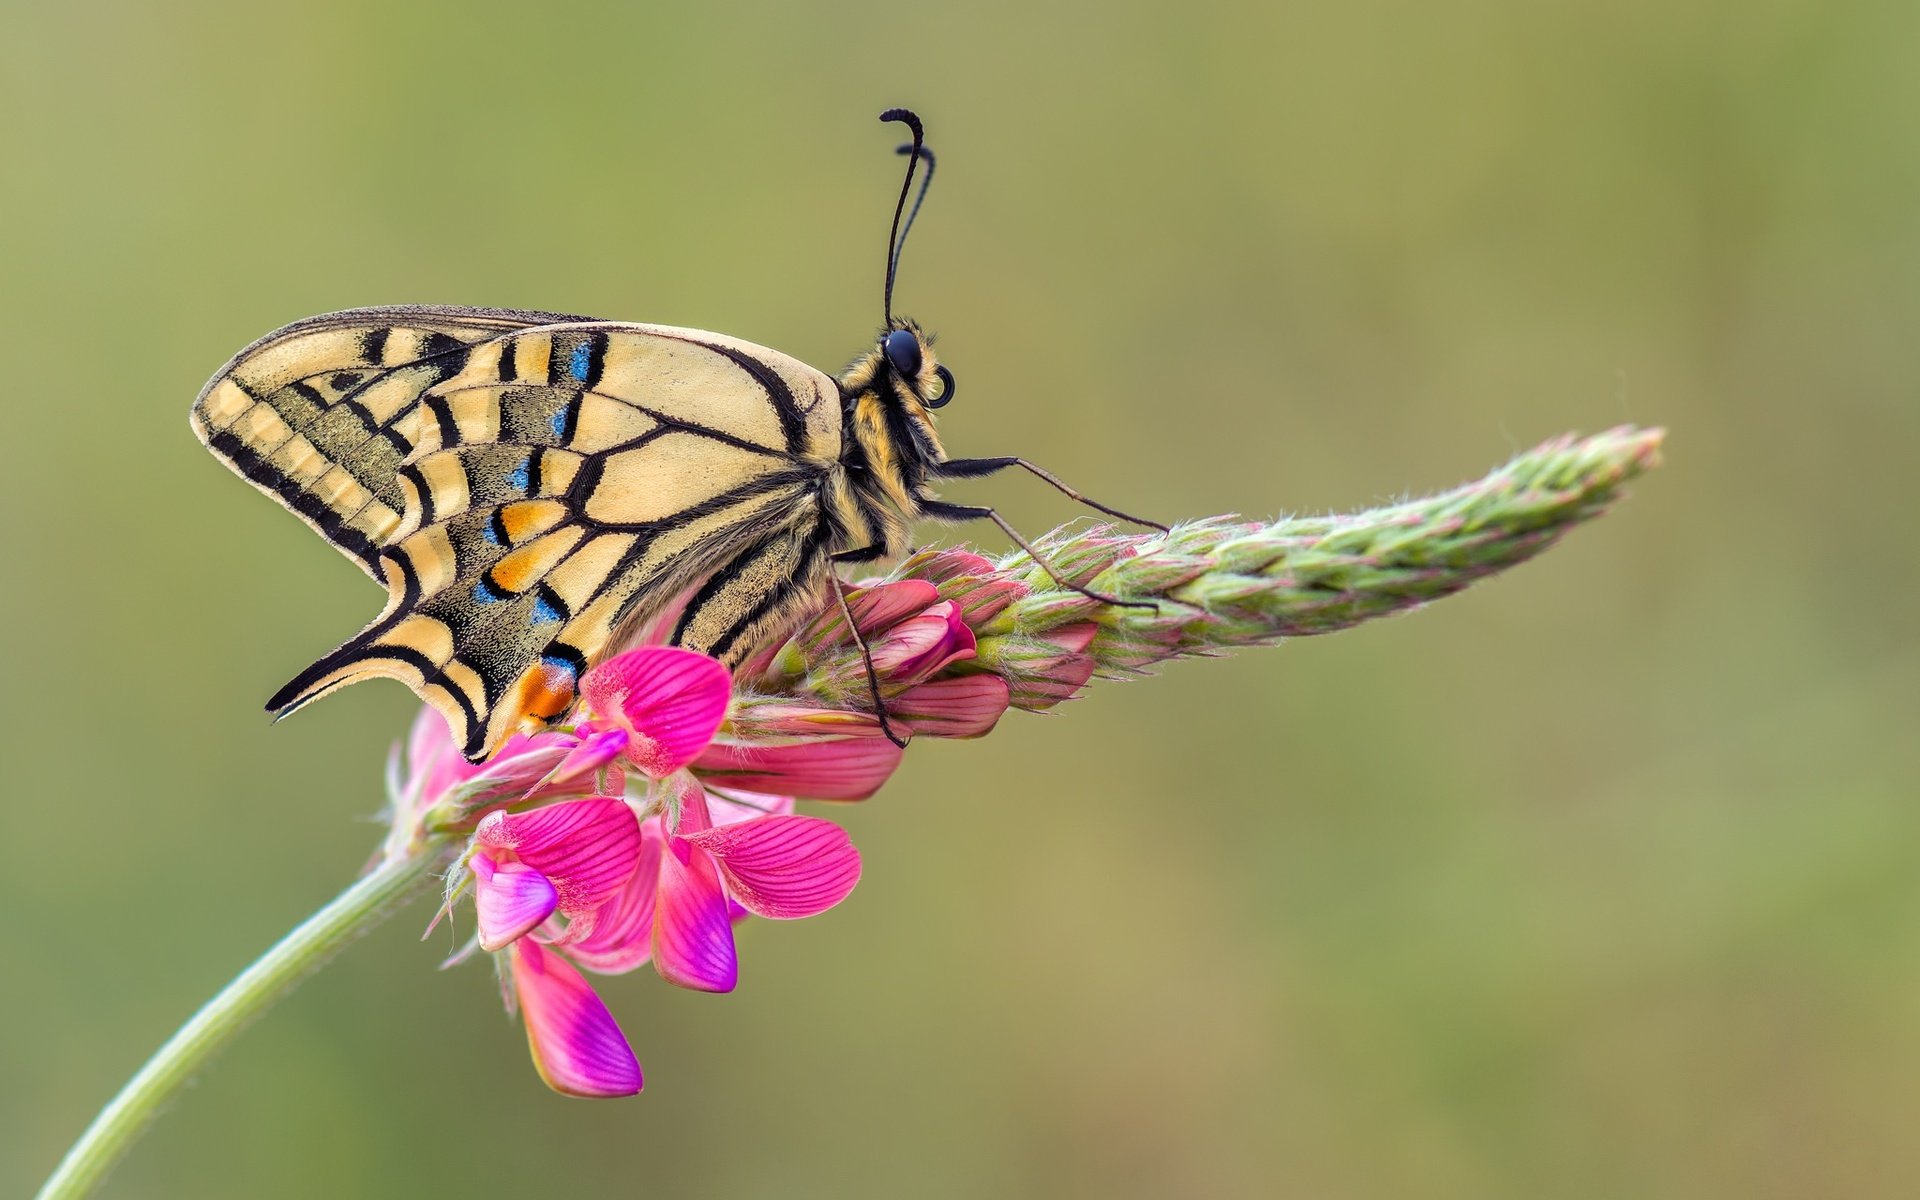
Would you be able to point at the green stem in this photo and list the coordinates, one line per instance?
(252, 992)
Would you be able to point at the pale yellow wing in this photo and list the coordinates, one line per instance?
(559, 480)
(321, 413)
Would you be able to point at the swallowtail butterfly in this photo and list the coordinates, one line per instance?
(529, 486)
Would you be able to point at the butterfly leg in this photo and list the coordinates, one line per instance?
(974, 468)
(939, 510)
(866, 660)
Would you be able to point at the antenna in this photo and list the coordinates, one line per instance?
(926, 182)
(895, 236)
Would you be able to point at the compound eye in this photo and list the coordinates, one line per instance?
(903, 353)
(940, 398)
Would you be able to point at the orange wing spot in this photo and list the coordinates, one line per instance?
(544, 691)
(526, 518)
(523, 568)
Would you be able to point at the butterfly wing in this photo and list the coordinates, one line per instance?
(320, 414)
(533, 488)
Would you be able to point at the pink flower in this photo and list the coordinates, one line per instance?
(660, 705)
(1052, 667)
(576, 1046)
(568, 858)
(915, 641)
(677, 908)
(719, 860)
(586, 882)
(542, 766)
(911, 634)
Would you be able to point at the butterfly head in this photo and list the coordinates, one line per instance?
(893, 388)
(917, 381)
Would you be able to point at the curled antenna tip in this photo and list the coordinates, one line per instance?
(907, 117)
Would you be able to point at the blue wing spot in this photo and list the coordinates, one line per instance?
(486, 593)
(543, 610)
(577, 365)
(521, 477)
(560, 422)
(493, 535)
(563, 664)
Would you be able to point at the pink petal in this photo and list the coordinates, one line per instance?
(1048, 680)
(942, 565)
(660, 626)
(737, 806)
(672, 701)
(921, 645)
(588, 848)
(522, 762)
(838, 769)
(692, 934)
(509, 899)
(875, 609)
(621, 936)
(433, 761)
(961, 706)
(577, 1048)
(598, 746)
(757, 664)
(784, 867)
(984, 599)
(691, 799)
(438, 767)
(1062, 681)
(1073, 638)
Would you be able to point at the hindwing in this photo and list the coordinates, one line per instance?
(525, 485)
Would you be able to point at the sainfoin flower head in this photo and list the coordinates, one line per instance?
(665, 815)
(657, 872)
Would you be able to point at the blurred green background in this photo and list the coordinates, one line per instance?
(1598, 881)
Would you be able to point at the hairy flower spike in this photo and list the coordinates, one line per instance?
(1217, 584)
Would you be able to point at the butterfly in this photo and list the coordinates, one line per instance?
(530, 487)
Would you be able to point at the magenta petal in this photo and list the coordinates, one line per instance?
(984, 599)
(1073, 638)
(522, 761)
(737, 806)
(433, 761)
(621, 934)
(672, 700)
(597, 748)
(576, 1046)
(692, 934)
(923, 644)
(1058, 681)
(509, 899)
(879, 607)
(588, 848)
(942, 565)
(963, 706)
(837, 769)
(784, 867)
(874, 608)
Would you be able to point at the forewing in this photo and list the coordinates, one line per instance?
(320, 414)
(569, 479)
